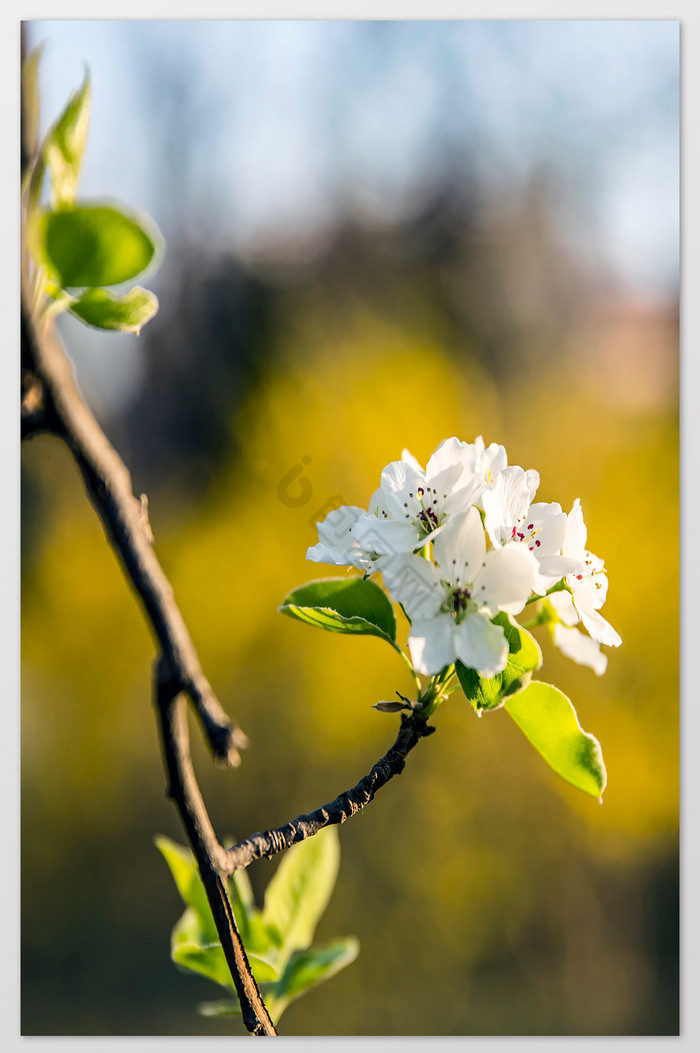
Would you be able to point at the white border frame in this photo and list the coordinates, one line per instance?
(688, 12)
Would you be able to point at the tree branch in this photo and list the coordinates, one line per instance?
(345, 805)
(184, 791)
(109, 487)
(63, 412)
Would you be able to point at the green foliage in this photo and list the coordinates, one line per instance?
(105, 310)
(547, 718)
(81, 246)
(91, 245)
(277, 938)
(523, 658)
(64, 144)
(344, 605)
(299, 892)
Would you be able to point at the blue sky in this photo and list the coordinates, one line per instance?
(282, 125)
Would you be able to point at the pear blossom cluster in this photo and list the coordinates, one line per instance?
(462, 539)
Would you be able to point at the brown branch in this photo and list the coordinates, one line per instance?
(109, 487)
(210, 856)
(178, 672)
(125, 519)
(345, 805)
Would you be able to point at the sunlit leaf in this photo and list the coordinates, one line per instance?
(307, 968)
(343, 605)
(106, 310)
(208, 961)
(92, 245)
(189, 884)
(547, 718)
(64, 145)
(524, 656)
(299, 892)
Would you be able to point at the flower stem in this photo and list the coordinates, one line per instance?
(411, 670)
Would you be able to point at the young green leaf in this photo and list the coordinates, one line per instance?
(92, 245)
(343, 605)
(547, 718)
(524, 656)
(307, 968)
(248, 917)
(189, 884)
(105, 310)
(299, 892)
(64, 145)
(208, 961)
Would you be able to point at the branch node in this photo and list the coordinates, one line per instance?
(145, 521)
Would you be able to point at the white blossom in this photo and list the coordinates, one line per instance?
(451, 604)
(512, 519)
(589, 588)
(409, 508)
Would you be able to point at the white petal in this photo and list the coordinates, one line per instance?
(506, 579)
(460, 548)
(336, 536)
(557, 566)
(468, 492)
(506, 503)
(551, 570)
(386, 537)
(580, 648)
(575, 541)
(444, 481)
(415, 583)
(564, 606)
(597, 626)
(594, 586)
(481, 645)
(492, 461)
(431, 643)
(377, 503)
(320, 554)
(532, 480)
(449, 453)
(407, 456)
(549, 525)
(400, 483)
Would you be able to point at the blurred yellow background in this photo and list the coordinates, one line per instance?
(489, 897)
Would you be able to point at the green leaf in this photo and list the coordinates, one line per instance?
(190, 949)
(299, 891)
(547, 718)
(64, 145)
(207, 961)
(106, 310)
(189, 884)
(344, 605)
(524, 656)
(92, 245)
(310, 967)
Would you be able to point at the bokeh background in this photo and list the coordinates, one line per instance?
(379, 234)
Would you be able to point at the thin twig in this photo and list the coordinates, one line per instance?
(345, 805)
(184, 791)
